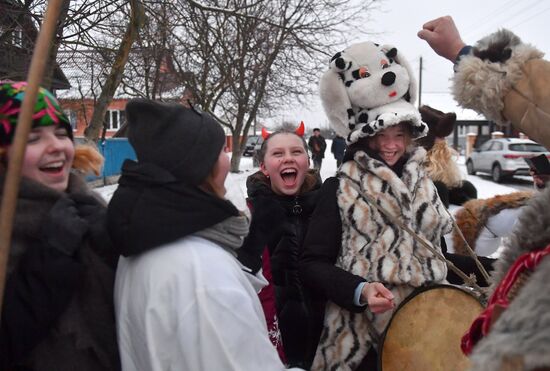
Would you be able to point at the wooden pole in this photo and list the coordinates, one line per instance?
(13, 175)
(420, 84)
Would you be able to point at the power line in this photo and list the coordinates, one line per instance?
(504, 7)
(528, 19)
(496, 21)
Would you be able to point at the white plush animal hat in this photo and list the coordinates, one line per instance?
(367, 88)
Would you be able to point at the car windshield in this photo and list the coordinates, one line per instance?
(251, 140)
(527, 147)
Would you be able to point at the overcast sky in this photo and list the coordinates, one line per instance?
(397, 22)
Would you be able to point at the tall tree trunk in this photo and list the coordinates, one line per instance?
(137, 18)
(236, 153)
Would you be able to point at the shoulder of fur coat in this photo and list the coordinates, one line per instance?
(523, 330)
(481, 85)
(473, 216)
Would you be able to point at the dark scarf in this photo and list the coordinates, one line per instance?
(33, 205)
(151, 208)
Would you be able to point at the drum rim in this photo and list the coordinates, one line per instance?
(409, 297)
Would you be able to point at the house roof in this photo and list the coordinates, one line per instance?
(88, 70)
(18, 34)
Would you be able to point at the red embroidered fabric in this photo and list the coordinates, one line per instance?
(500, 298)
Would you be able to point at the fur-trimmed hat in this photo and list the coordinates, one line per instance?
(440, 125)
(367, 88)
(46, 112)
(182, 140)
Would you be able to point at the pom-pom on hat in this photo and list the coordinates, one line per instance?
(46, 110)
(184, 141)
(368, 88)
(440, 125)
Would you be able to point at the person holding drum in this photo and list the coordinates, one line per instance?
(358, 252)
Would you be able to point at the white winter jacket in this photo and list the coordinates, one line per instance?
(189, 306)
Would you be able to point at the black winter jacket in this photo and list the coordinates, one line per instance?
(58, 311)
(300, 314)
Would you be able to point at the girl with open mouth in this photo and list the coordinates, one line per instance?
(282, 196)
(61, 263)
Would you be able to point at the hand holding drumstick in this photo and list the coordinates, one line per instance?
(378, 297)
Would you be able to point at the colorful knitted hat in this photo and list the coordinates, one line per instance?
(46, 110)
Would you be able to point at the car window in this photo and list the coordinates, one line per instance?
(527, 147)
(252, 140)
(497, 146)
(485, 146)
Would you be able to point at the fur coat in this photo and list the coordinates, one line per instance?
(509, 82)
(76, 325)
(475, 213)
(376, 249)
(522, 332)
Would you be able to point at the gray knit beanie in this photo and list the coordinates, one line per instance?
(182, 140)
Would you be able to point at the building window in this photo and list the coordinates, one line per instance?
(14, 35)
(72, 117)
(114, 119)
(18, 37)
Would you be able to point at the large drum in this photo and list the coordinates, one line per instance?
(425, 331)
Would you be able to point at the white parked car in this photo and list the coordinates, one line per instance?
(504, 157)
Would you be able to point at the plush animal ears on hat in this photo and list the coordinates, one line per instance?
(299, 131)
(365, 82)
(440, 125)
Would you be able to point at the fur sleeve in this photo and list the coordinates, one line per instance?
(522, 333)
(481, 84)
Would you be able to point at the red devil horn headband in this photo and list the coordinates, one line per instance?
(265, 134)
(299, 131)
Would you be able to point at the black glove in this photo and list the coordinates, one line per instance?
(268, 216)
(63, 228)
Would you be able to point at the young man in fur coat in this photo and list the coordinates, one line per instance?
(508, 81)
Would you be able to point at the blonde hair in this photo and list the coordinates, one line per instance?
(87, 159)
(441, 165)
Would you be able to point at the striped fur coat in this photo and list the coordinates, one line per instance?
(374, 248)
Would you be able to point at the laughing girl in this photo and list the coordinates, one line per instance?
(282, 196)
(58, 303)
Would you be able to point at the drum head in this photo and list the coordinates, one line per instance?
(425, 331)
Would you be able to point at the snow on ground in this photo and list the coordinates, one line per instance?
(236, 183)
